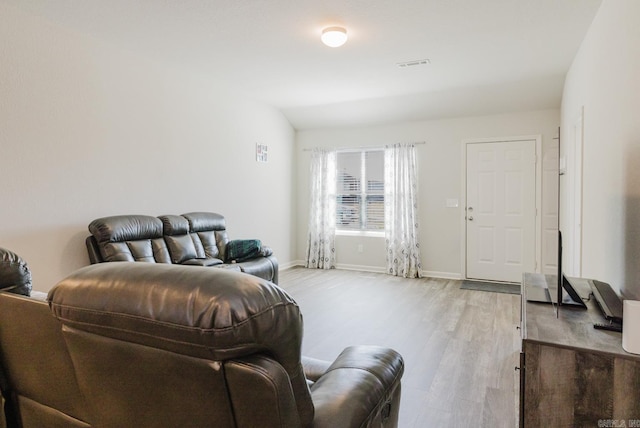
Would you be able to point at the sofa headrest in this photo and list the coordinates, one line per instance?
(121, 228)
(198, 311)
(203, 221)
(15, 275)
(174, 225)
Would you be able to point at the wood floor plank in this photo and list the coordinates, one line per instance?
(460, 346)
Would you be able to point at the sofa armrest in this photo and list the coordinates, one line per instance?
(361, 388)
(93, 250)
(314, 368)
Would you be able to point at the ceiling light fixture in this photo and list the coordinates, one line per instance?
(334, 36)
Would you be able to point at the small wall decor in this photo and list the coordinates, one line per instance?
(261, 152)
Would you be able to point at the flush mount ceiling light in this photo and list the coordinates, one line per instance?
(334, 36)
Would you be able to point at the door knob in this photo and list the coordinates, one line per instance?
(470, 209)
(470, 218)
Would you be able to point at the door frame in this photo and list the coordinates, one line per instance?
(538, 197)
(575, 253)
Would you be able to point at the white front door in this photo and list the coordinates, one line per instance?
(501, 209)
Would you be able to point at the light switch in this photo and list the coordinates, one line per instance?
(452, 203)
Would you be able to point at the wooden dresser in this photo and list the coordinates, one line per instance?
(572, 375)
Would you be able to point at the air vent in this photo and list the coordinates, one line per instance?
(413, 63)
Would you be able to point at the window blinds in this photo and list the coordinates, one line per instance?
(360, 190)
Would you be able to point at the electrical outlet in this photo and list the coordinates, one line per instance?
(360, 248)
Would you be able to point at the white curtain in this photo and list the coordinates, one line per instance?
(321, 248)
(401, 211)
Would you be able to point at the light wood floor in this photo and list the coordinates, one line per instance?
(460, 346)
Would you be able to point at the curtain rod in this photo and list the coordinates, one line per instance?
(362, 147)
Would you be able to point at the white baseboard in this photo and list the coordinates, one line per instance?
(377, 269)
(289, 265)
(362, 268)
(443, 275)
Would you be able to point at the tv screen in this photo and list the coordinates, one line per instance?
(560, 274)
(572, 298)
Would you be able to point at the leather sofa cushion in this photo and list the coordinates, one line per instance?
(180, 245)
(187, 309)
(260, 266)
(206, 231)
(174, 225)
(130, 238)
(15, 275)
(126, 228)
(203, 221)
(149, 250)
(208, 243)
(181, 248)
(210, 230)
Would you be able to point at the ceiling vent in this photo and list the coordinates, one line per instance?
(413, 63)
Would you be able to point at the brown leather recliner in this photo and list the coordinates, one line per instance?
(177, 346)
(38, 378)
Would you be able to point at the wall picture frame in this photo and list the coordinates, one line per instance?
(261, 152)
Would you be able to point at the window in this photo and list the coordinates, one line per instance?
(360, 190)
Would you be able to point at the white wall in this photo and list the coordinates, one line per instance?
(87, 130)
(604, 80)
(440, 176)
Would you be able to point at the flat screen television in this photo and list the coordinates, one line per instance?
(571, 298)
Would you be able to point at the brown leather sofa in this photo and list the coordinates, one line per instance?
(198, 238)
(136, 345)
